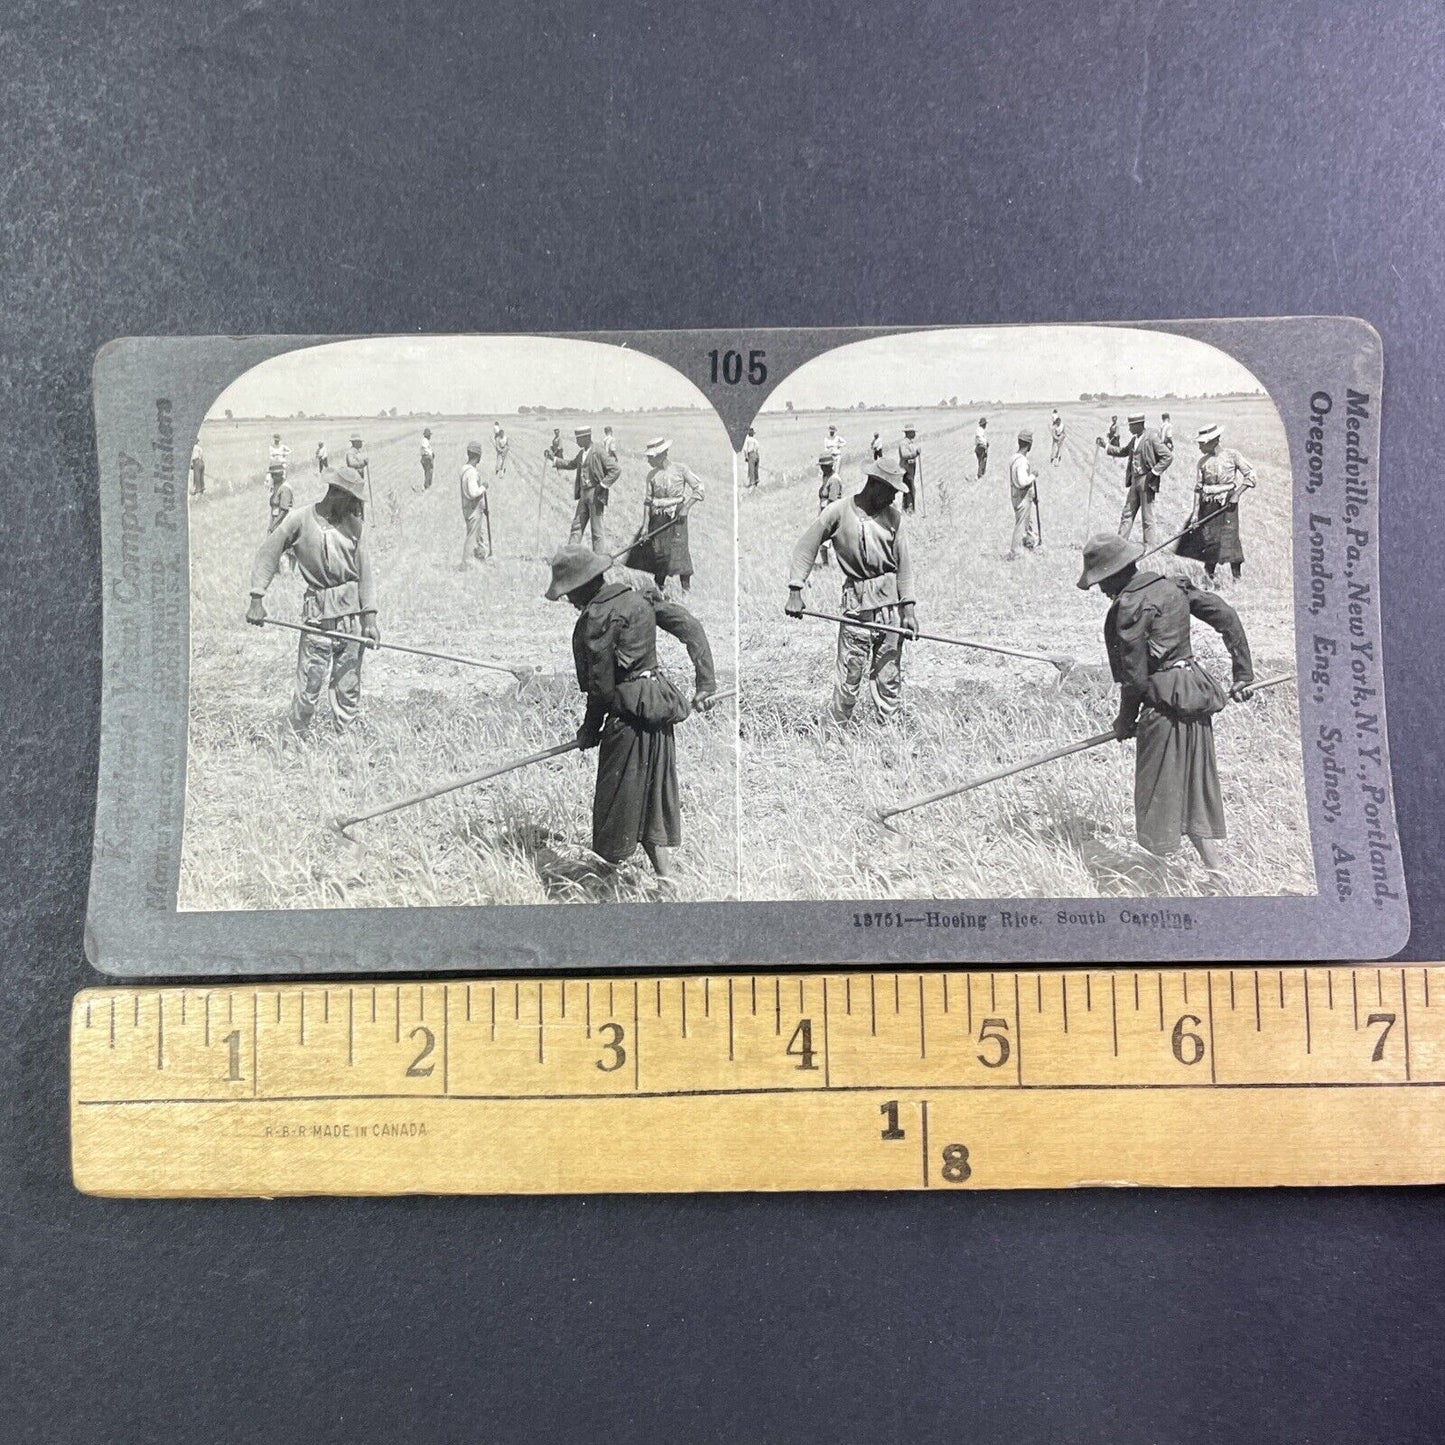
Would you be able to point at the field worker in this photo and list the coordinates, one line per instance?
(1166, 700)
(1056, 435)
(555, 450)
(609, 443)
(1148, 460)
(632, 707)
(670, 492)
(1113, 431)
(325, 540)
(322, 459)
(358, 461)
(830, 490)
(474, 508)
(750, 456)
(428, 458)
(876, 445)
(282, 500)
(502, 446)
(593, 474)
(835, 444)
(866, 532)
(198, 470)
(910, 457)
(278, 460)
(1224, 477)
(1166, 431)
(1022, 480)
(980, 444)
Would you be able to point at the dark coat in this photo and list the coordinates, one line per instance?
(592, 468)
(1169, 698)
(631, 710)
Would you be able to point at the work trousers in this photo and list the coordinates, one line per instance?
(328, 662)
(1056, 451)
(427, 463)
(878, 656)
(1138, 501)
(591, 506)
(982, 454)
(1023, 503)
(474, 547)
(752, 471)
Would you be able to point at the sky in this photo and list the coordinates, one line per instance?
(1009, 365)
(455, 376)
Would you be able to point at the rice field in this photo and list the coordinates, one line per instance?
(257, 832)
(1064, 830)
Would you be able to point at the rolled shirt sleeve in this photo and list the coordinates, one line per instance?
(675, 619)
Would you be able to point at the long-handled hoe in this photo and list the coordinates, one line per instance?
(886, 815)
(523, 673)
(1059, 660)
(356, 850)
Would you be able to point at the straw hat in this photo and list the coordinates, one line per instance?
(1208, 434)
(657, 446)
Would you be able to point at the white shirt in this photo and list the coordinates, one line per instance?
(750, 447)
(472, 484)
(196, 453)
(1019, 473)
(280, 455)
(835, 444)
(426, 448)
(609, 444)
(980, 437)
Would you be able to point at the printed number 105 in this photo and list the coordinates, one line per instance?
(727, 366)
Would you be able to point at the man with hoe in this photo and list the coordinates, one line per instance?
(867, 536)
(1224, 477)
(830, 490)
(910, 459)
(593, 474)
(1148, 460)
(669, 494)
(632, 706)
(325, 540)
(1167, 701)
(475, 546)
(1022, 481)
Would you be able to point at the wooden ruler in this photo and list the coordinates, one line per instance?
(877, 1080)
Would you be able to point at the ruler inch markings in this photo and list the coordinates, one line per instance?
(1388, 1120)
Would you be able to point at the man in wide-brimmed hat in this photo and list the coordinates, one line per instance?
(1148, 460)
(593, 473)
(474, 508)
(632, 707)
(326, 541)
(671, 491)
(1224, 477)
(867, 536)
(1023, 482)
(1166, 700)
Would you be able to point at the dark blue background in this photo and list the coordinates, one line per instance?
(341, 168)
